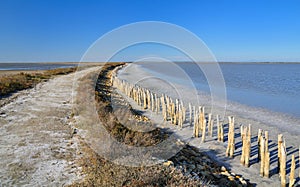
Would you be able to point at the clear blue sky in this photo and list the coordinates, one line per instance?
(62, 30)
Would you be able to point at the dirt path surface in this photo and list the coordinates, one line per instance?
(36, 143)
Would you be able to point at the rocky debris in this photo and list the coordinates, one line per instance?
(197, 164)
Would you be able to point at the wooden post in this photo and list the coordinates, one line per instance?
(173, 118)
(156, 103)
(149, 99)
(267, 141)
(248, 147)
(202, 117)
(230, 146)
(258, 143)
(299, 161)
(195, 127)
(292, 174)
(280, 140)
(145, 99)
(152, 102)
(228, 137)
(222, 132)
(243, 136)
(191, 113)
(267, 165)
(203, 130)
(218, 129)
(266, 156)
(209, 123)
(183, 113)
(196, 133)
(176, 105)
(163, 107)
(262, 154)
(180, 117)
(283, 165)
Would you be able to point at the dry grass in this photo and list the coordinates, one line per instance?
(16, 82)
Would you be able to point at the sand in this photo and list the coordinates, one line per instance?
(216, 150)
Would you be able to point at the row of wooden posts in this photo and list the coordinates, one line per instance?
(175, 111)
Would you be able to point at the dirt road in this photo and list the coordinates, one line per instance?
(36, 143)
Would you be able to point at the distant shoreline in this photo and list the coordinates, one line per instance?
(11, 67)
(99, 63)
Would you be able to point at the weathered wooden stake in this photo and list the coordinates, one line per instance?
(292, 174)
(248, 147)
(230, 146)
(267, 165)
(203, 130)
(202, 117)
(196, 133)
(145, 99)
(210, 124)
(266, 156)
(152, 102)
(280, 140)
(218, 128)
(243, 136)
(283, 165)
(262, 154)
(258, 144)
(191, 113)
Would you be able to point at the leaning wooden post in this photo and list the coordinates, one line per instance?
(292, 174)
(283, 166)
(280, 140)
